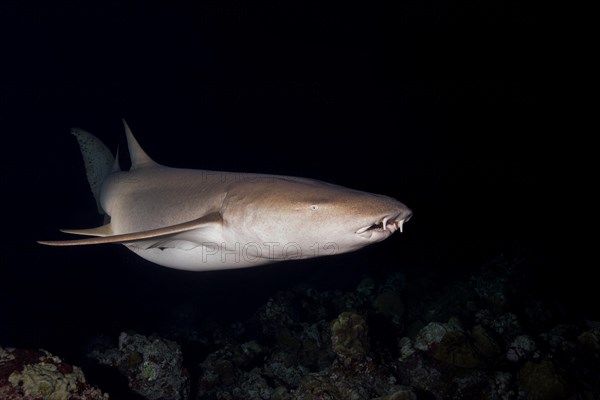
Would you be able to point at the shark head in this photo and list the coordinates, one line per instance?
(308, 216)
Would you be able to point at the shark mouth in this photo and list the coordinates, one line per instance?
(383, 228)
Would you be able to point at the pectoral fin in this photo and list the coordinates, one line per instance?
(213, 218)
(104, 230)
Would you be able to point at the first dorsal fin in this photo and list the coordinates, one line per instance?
(202, 222)
(139, 158)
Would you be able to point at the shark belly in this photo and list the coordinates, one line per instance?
(202, 252)
(209, 256)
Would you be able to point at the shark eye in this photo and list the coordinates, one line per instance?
(313, 207)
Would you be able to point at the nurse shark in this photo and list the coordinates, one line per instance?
(210, 220)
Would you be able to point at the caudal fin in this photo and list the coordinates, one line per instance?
(98, 161)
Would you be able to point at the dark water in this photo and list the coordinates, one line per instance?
(435, 107)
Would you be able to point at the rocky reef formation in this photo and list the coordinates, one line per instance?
(328, 360)
(478, 337)
(35, 375)
(485, 335)
(152, 365)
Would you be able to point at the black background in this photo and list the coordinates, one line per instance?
(438, 104)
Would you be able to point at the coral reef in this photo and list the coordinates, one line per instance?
(152, 365)
(376, 343)
(522, 346)
(323, 359)
(34, 375)
(543, 381)
(391, 338)
(349, 337)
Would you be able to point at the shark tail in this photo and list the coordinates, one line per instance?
(98, 160)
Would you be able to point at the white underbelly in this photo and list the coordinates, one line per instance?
(201, 258)
(215, 255)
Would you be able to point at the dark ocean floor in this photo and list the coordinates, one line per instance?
(489, 333)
